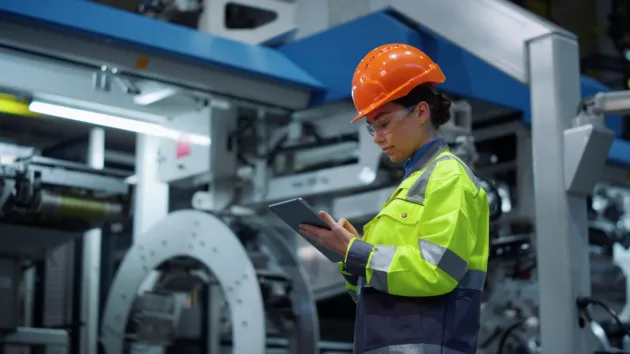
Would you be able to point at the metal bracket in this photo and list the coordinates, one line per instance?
(585, 150)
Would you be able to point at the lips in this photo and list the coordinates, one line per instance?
(387, 150)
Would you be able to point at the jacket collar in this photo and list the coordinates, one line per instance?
(425, 155)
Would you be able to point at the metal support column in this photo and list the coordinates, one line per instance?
(91, 273)
(561, 220)
(524, 179)
(150, 194)
(150, 205)
(215, 301)
(29, 295)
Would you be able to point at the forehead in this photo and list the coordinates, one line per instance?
(380, 112)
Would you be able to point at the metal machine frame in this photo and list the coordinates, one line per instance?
(524, 47)
(220, 251)
(205, 238)
(55, 341)
(45, 203)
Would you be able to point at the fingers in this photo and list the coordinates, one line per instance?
(313, 233)
(328, 219)
(307, 230)
(311, 229)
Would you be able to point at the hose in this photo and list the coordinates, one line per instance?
(583, 302)
(506, 334)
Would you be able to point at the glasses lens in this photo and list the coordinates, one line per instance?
(370, 129)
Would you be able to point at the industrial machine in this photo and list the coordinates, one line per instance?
(511, 314)
(45, 203)
(265, 276)
(243, 126)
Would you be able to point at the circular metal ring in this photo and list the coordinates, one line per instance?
(207, 239)
(276, 238)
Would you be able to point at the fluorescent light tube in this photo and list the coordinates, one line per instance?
(145, 99)
(115, 122)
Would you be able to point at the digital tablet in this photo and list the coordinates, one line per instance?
(297, 211)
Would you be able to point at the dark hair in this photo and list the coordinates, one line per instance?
(439, 103)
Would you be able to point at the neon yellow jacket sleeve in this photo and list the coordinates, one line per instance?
(440, 258)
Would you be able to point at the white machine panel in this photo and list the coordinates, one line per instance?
(182, 159)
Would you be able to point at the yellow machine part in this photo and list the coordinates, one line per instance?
(14, 105)
(76, 207)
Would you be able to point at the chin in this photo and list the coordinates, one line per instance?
(395, 158)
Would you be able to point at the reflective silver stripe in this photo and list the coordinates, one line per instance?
(417, 192)
(381, 260)
(470, 174)
(443, 258)
(473, 280)
(439, 256)
(414, 349)
(434, 150)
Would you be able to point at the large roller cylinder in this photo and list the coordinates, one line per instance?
(77, 207)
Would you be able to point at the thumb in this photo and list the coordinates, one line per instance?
(343, 222)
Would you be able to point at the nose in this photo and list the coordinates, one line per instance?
(378, 138)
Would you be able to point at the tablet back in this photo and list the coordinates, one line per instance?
(297, 211)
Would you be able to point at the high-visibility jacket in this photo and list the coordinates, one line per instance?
(418, 272)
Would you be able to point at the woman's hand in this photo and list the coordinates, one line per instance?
(336, 239)
(348, 226)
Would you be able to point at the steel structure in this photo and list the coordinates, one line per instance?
(45, 203)
(212, 83)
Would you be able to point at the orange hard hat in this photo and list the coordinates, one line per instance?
(390, 72)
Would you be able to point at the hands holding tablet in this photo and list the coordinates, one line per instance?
(336, 239)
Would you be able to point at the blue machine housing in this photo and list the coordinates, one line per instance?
(299, 62)
(467, 75)
(118, 27)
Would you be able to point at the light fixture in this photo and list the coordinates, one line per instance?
(151, 97)
(115, 122)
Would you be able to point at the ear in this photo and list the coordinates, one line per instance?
(423, 112)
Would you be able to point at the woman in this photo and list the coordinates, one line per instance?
(419, 269)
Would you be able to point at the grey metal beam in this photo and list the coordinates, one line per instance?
(64, 83)
(120, 158)
(481, 24)
(175, 71)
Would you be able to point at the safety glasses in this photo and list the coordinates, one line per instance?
(385, 123)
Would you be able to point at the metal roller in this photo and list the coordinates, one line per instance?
(77, 207)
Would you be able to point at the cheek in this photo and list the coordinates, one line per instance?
(403, 139)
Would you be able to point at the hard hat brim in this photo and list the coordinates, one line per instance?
(400, 92)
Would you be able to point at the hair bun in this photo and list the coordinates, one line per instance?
(443, 109)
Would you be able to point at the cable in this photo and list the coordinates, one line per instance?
(507, 333)
(583, 302)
